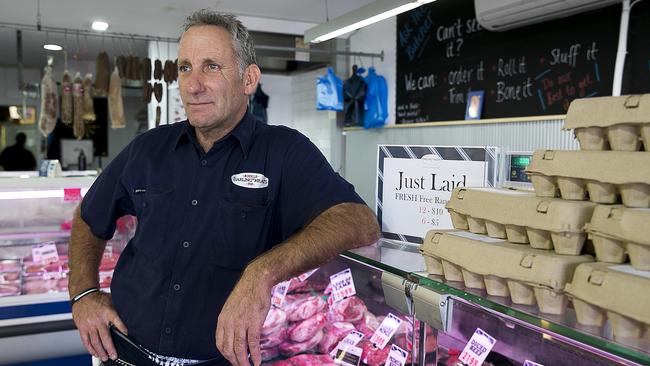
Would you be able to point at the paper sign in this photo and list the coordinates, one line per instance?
(72, 194)
(352, 339)
(386, 330)
(45, 253)
(307, 274)
(279, 292)
(342, 285)
(414, 183)
(396, 357)
(350, 356)
(477, 349)
(531, 363)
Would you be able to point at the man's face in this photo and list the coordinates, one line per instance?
(211, 88)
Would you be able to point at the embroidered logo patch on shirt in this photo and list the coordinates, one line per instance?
(250, 180)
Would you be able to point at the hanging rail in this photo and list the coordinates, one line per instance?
(141, 37)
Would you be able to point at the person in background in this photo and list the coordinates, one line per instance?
(227, 207)
(16, 157)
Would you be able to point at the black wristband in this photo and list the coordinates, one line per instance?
(82, 294)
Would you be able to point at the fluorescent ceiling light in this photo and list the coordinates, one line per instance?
(98, 25)
(359, 18)
(52, 47)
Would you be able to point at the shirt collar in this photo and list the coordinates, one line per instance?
(243, 133)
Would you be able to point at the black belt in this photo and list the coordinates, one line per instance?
(130, 353)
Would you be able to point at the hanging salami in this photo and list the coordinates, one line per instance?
(102, 74)
(49, 103)
(66, 98)
(115, 103)
(88, 108)
(78, 109)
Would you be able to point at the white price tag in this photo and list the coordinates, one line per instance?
(279, 292)
(352, 339)
(350, 356)
(477, 349)
(45, 253)
(396, 357)
(386, 330)
(307, 274)
(342, 285)
(531, 363)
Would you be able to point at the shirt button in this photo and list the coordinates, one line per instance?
(186, 244)
(177, 287)
(204, 162)
(168, 330)
(195, 202)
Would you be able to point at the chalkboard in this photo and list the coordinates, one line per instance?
(443, 53)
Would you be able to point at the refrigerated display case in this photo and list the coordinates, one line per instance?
(35, 223)
(438, 317)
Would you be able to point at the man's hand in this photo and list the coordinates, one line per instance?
(92, 315)
(241, 319)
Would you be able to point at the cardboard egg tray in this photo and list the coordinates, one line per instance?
(522, 217)
(616, 123)
(600, 176)
(618, 232)
(618, 293)
(528, 276)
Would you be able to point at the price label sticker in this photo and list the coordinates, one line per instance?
(279, 292)
(352, 339)
(477, 349)
(342, 285)
(350, 356)
(531, 363)
(386, 330)
(396, 357)
(307, 274)
(45, 253)
(72, 194)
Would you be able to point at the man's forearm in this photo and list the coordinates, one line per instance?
(85, 253)
(342, 227)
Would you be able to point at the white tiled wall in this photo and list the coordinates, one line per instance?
(319, 126)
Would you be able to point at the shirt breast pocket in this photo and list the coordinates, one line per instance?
(152, 211)
(243, 230)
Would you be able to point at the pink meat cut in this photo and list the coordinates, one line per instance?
(290, 349)
(275, 320)
(273, 339)
(373, 356)
(310, 360)
(270, 353)
(334, 333)
(350, 310)
(306, 329)
(306, 308)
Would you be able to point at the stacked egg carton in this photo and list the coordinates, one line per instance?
(612, 167)
(526, 275)
(534, 274)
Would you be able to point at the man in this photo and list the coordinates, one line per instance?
(227, 207)
(16, 157)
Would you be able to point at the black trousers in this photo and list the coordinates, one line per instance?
(130, 353)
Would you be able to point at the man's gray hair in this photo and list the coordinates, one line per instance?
(241, 39)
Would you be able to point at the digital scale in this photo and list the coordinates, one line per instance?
(516, 164)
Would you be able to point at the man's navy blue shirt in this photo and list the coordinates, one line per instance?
(199, 223)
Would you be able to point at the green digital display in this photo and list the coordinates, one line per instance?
(518, 165)
(520, 161)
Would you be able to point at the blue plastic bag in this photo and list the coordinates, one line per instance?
(329, 92)
(376, 100)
